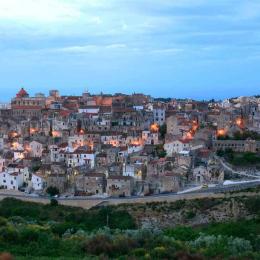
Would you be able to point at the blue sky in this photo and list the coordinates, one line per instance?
(178, 48)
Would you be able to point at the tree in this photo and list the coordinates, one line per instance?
(54, 202)
(52, 191)
(163, 130)
(161, 153)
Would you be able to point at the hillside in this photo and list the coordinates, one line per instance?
(152, 231)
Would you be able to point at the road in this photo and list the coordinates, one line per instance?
(241, 173)
(210, 190)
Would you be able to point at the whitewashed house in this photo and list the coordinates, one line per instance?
(38, 182)
(177, 146)
(11, 181)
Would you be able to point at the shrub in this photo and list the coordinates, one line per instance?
(139, 252)
(54, 202)
(9, 234)
(98, 245)
(182, 233)
(52, 191)
(190, 214)
(29, 234)
(3, 221)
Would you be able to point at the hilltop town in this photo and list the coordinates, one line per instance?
(125, 145)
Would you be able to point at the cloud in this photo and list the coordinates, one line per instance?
(167, 51)
(85, 48)
(43, 11)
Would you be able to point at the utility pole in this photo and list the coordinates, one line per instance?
(107, 219)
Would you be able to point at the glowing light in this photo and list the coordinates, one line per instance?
(56, 134)
(154, 127)
(188, 136)
(14, 134)
(135, 143)
(15, 145)
(81, 132)
(21, 156)
(239, 122)
(221, 132)
(33, 130)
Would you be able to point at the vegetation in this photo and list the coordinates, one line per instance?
(52, 191)
(160, 152)
(239, 159)
(241, 136)
(30, 231)
(163, 130)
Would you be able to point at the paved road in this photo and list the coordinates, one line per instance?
(210, 190)
(241, 173)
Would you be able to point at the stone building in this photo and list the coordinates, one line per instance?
(91, 183)
(120, 186)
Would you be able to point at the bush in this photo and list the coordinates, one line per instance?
(190, 214)
(98, 245)
(218, 245)
(52, 191)
(3, 222)
(9, 234)
(54, 202)
(182, 233)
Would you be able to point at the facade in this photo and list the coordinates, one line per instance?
(11, 181)
(91, 184)
(23, 105)
(120, 186)
(237, 145)
(36, 149)
(38, 182)
(177, 146)
(159, 115)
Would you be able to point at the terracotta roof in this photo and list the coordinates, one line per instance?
(14, 174)
(22, 93)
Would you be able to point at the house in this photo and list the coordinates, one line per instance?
(2, 164)
(135, 170)
(177, 146)
(159, 167)
(18, 154)
(91, 183)
(150, 137)
(36, 149)
(169, 182)
(11, 181)
(120, 186)
(211, 173)
(60, 181)
(38, 181)
(159, 115)
(21, 169)
(200, 174)
(79, 157)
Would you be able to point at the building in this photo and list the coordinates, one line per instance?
(11, 181)
(247, 145)
(159, 115)
(23, 105)
(36, 149)
(118, 186)
(38, 182)
(91, 183)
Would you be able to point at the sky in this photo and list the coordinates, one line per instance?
(197, 49)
